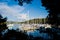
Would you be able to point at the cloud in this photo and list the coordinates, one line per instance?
(13, 12)
(11, 9)
(24, 15)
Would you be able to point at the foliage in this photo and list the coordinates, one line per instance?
(3, 25)
(15, 35)
(21, 2)
(53, 7)
(36, 21)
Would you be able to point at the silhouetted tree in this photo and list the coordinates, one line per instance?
(53, 7)
(53, 32)
(21, 2)
(15, 35)
(38, 38)
(3, 25)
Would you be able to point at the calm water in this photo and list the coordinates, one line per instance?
(35, 33)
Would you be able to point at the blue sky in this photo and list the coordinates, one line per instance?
(14, 12)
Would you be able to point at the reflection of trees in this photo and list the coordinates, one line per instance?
(54, 33)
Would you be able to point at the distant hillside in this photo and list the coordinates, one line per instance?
(36, 21)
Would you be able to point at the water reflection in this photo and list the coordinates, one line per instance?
(27, 27)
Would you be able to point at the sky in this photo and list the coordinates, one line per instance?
(15, 12)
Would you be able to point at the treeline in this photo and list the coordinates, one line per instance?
(36, 21)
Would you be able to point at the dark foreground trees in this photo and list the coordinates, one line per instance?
(53, 7)
(3, 25)
(15, 35)
(21, 2)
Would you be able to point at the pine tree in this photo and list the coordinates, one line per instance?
(3, 25)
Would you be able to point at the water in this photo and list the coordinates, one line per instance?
(35, 33)
(14, 26)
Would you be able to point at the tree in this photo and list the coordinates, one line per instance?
(2, 25)
(15, 35)
(21, 2)
(53, 8)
